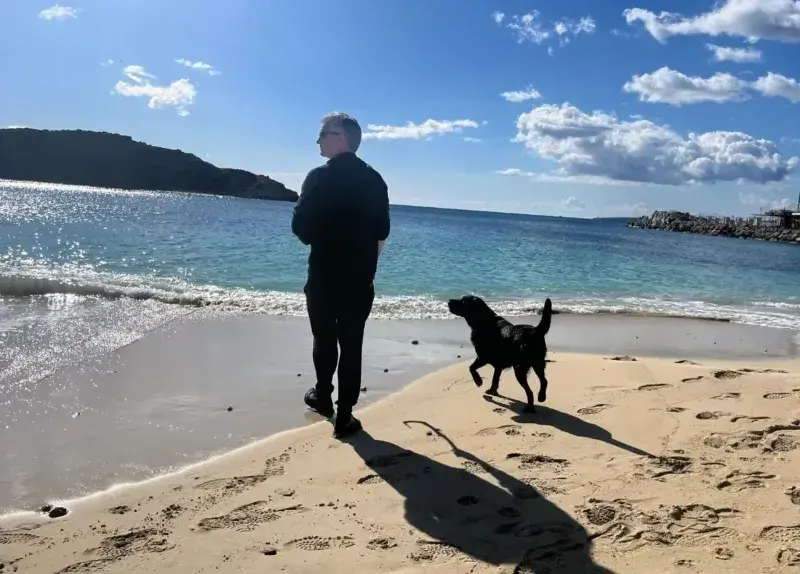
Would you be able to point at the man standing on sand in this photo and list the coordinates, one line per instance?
(343, 214)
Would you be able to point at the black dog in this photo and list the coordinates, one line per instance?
(503, 345)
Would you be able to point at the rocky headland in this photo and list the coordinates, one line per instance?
(725, 227)
(102, 159)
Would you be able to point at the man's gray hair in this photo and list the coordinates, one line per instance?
(345, 124)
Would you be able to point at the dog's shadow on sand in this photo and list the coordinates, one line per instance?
(565, 422)
(459, 512)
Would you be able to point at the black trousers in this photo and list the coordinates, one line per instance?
(338, 318)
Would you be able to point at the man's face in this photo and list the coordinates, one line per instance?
(330, 141)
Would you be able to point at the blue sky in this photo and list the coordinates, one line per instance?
(578, 108)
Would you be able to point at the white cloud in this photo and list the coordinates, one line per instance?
(178, 95)
(738, 55)
(518, 96)
(16, 127)
(573, 203)
(412, 131)
(529, 28)
(498, 17)
(759, 201)
(667, 86)
(599, 145)
(199, 65)
(473, 140)
(107, 63)
(58, 12)
(751, 19)
(776, 85)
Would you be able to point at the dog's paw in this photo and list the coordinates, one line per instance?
(493, 392)
(542, 397)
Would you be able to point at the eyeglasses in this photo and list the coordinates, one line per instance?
(323, 133)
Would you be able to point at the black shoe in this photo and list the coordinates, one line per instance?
(321, 404)
(345, 425)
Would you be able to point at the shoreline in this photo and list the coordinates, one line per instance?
(203, 530)
(74, 504)
(190, 421)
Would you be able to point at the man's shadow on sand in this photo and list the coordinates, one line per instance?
(565, 422)
(462, 512)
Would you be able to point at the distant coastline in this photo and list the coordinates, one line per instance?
(102, 159)
(780, 226)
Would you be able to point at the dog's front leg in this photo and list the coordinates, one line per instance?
(495, 382)
(473, 370)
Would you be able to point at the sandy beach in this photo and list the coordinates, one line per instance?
(631, 466)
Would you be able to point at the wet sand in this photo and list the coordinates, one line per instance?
(162, 402)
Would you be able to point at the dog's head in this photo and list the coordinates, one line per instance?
(472, 308)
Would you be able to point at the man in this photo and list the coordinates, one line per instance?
(343, 214)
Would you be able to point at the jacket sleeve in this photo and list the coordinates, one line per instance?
(305, 217)
(382, 218)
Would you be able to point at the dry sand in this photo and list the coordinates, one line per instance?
(632, 466)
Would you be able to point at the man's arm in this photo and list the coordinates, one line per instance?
(383, 221)
(306, 212)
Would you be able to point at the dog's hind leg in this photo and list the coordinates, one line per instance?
(473, 370)
(522, 378)
(538, 368)
(495, 382)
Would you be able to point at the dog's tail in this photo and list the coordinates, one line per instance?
(547, 315)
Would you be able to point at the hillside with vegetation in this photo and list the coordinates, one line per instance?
(102, 159)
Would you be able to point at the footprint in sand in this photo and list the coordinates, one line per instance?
(510, 430)
(686, 362)
(722, 553)
(593, 410)
(563, 545)
(742, 440)
(99, 565)
(384, 461)
(622, 523)
(726, 374)
(788, 557)
(498, 410)
(148, 540)
(709, 415)
(794, 494)
(653, 387)
(763, 371)
(383, 543)
(317, 543)
(626, 358)
(747, 419)
(675, 409)
(12, 537)
(785, 534)
(273, 466)
(725, 396)
(370, 479)
(533, 460)
(783, 443)
(119, 509)
(740, 480)
(661, 466)
(692, 379)
(785, 395)
(431, 550)
(248, 516)
(473, 467)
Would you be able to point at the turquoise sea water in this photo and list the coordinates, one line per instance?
(183, 249)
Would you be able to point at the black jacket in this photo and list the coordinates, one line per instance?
(342, 213)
